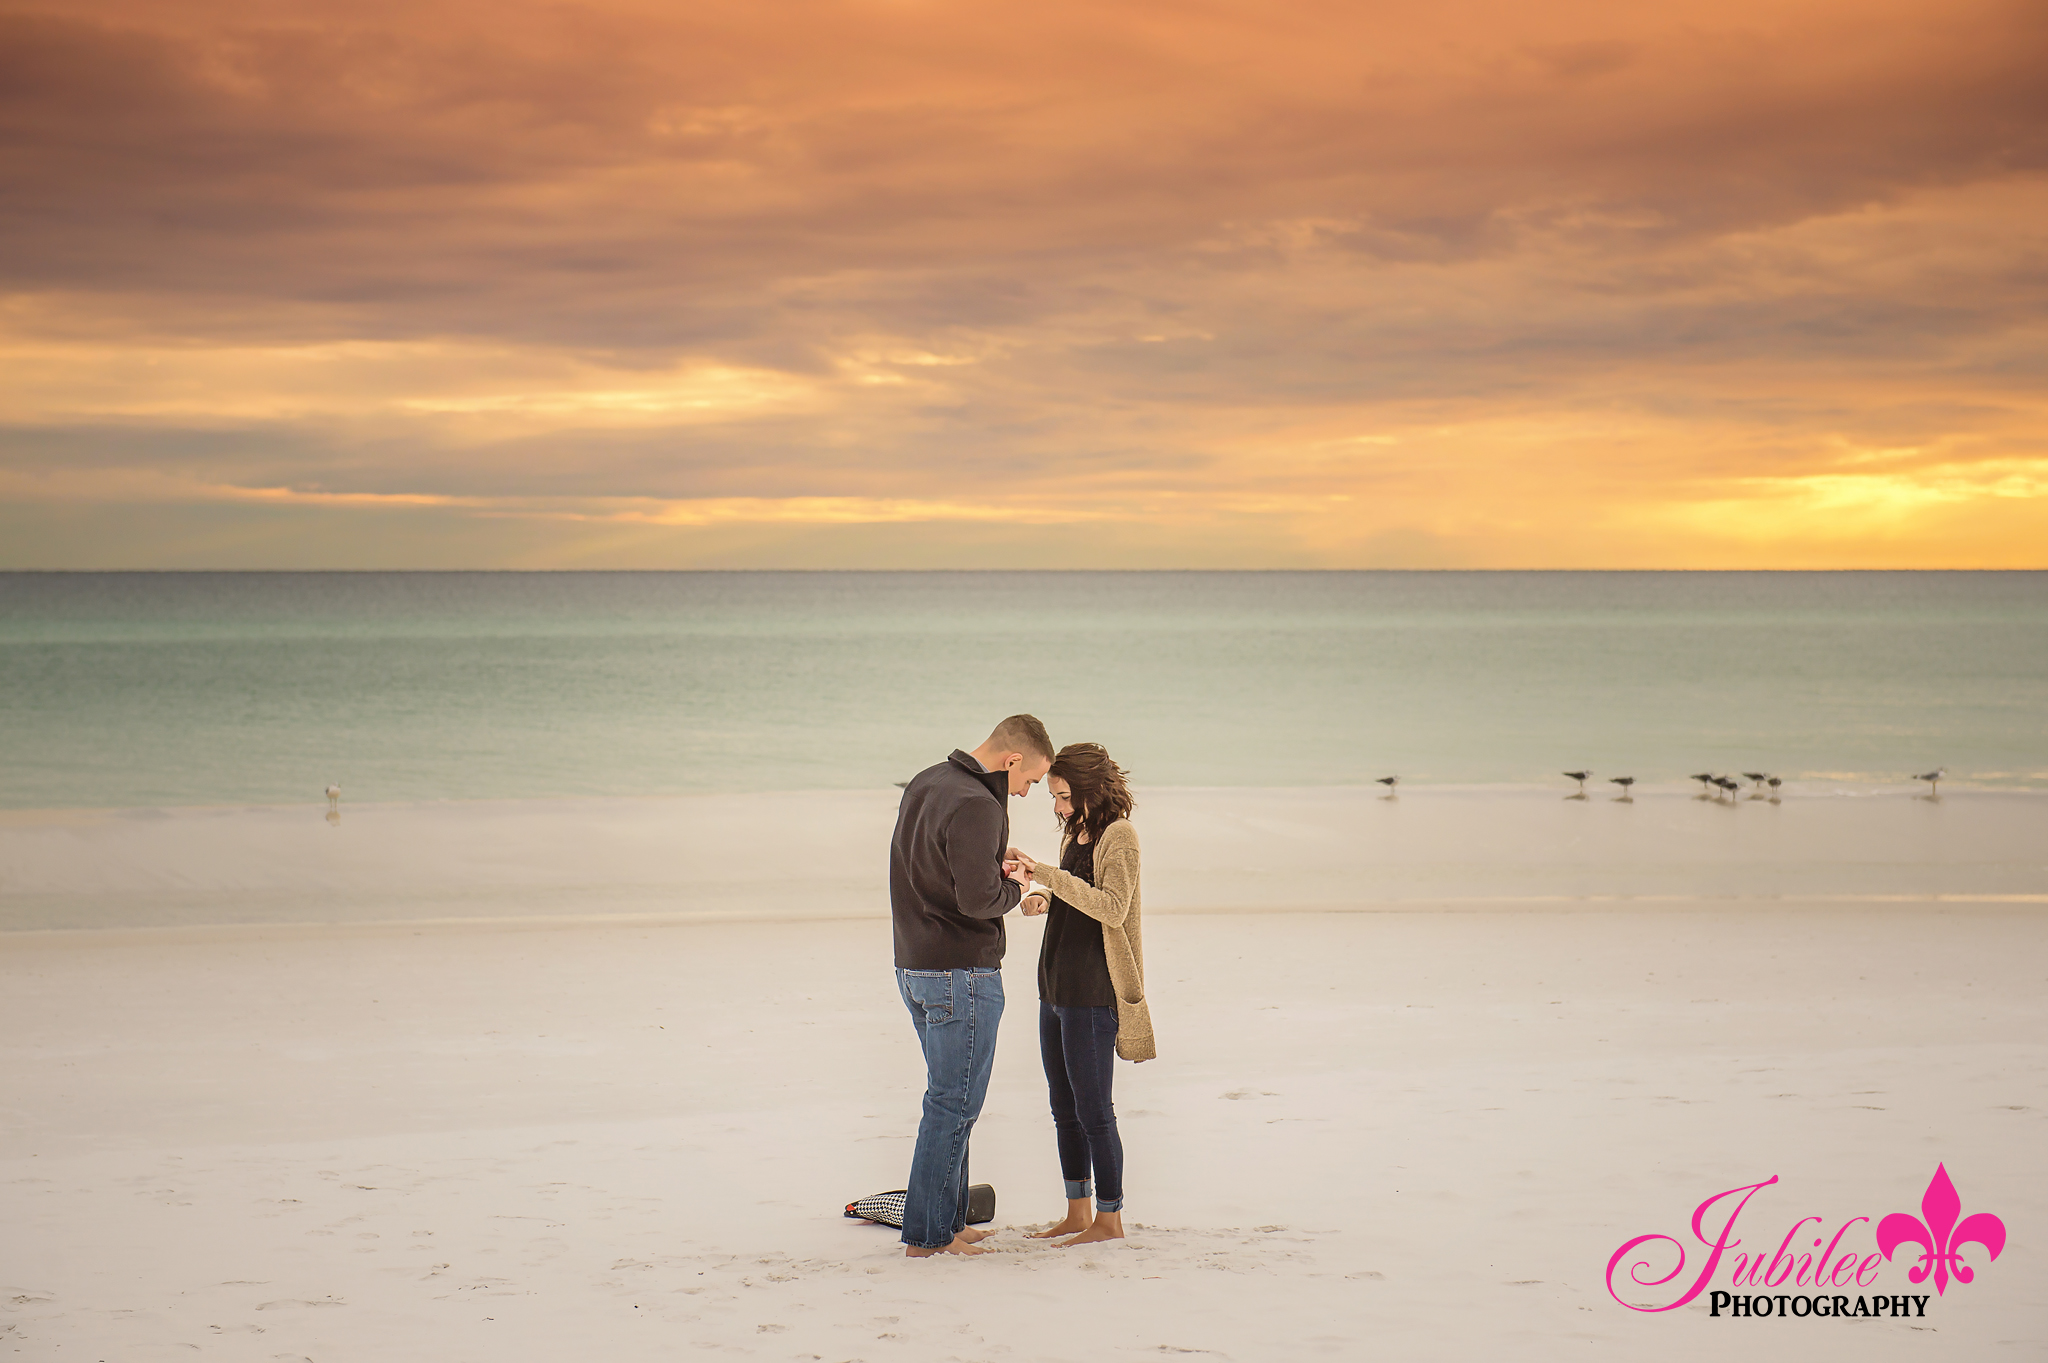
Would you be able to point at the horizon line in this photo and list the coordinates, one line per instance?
(1043, 572)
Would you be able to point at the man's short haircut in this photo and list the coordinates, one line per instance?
(1024, 734)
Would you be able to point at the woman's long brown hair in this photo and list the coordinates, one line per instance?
(1099, 794)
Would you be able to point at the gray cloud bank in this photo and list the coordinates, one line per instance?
(1122, 248)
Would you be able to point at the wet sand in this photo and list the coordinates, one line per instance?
(823, 854)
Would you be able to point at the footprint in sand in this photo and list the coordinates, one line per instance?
(294, 1301)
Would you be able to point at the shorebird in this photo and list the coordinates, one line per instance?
(1580, 777)
(333, 795)
(1705, 778)
(1624, 782)
(1757, 778)
(1728, 784)
(1773, 782)
(1390, 782)
(1933, 779)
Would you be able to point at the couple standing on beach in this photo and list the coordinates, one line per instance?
(952, 877)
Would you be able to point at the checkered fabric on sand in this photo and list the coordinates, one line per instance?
(886, 1208)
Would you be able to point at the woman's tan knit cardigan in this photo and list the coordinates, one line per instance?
(1113, 901)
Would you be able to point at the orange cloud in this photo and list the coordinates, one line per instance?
(1580, 284)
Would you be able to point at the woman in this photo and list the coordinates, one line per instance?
(1091, 982)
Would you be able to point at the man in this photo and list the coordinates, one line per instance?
(948, 892)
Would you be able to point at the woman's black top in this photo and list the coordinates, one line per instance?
(1072, 971)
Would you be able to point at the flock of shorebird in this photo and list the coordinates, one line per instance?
(1713, 785)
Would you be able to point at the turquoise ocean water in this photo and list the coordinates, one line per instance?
(169, 689)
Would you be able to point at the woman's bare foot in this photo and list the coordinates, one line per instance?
(973, 1237)
(1080, 1216)
(959, 1246)
(1108, 1226)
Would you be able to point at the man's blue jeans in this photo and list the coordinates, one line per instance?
(956, 1013)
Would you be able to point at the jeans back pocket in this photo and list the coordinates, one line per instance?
(931, 991)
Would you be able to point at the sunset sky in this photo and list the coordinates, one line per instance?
(912, 283)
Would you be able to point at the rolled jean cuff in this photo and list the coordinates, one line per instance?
(1079, 1188)
(1109, 1204)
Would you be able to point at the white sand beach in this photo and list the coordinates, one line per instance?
(1415, 1130)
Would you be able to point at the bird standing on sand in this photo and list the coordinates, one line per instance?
(1624, 782)
(1390, 782)
(1705, 778)
(1728, 784)
(1757, 779)
(1774, 782)
(1933, 779)
(1580, 777)
(333, 796)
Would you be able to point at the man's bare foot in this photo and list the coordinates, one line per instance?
(1080, 1216)
(1108, 1226)
(959, 1246)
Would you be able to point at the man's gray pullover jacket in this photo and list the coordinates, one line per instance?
(947, 890)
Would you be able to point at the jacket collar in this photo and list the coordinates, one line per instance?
(998, 782)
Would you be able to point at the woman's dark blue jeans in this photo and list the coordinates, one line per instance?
(1079, 1049)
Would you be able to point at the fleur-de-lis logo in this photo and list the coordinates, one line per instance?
(1939, 1236)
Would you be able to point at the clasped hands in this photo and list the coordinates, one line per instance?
(1019, 867)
